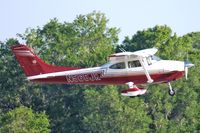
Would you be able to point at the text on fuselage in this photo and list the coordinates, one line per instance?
(84, 77)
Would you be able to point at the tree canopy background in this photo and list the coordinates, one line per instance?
(86, 42)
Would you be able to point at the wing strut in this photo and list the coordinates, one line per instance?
(150, 80)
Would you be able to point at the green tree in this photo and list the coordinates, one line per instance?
(87, 37)
(195, 37)
(160, 37)
(152, 37)
(106, 111)
(11, 78)
(23, 120)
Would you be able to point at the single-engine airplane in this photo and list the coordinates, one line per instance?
(135, 69)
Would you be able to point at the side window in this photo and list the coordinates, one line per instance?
(120, 65)
(135, 63)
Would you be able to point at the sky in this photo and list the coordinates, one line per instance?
(182, 16)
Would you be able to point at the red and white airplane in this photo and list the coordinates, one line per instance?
(136, 69)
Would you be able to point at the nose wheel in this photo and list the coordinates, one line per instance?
(171, 90)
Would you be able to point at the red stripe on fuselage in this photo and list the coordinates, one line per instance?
(100, 79)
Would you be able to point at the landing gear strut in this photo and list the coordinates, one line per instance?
(171, 90)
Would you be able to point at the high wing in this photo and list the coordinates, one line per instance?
(138, 54)
(146, 52)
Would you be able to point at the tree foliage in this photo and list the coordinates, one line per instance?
(11, 79)
(195, 37)
(87, 37)
(23, 119)
(106, 110)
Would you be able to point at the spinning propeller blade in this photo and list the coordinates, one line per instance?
(187, 65)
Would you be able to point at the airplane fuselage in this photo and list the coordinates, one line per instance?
(160, 71)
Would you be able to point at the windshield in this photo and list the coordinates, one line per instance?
(153, 57)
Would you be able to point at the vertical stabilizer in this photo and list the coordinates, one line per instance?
(32, 64)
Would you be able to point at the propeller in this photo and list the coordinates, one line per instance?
(187, 65)
(186, 72)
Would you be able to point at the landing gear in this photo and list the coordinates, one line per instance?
(171, 90)
(133, 90)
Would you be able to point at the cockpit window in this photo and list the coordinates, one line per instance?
(135, 63)
(120, 65)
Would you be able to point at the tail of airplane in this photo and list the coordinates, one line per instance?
(32, 64)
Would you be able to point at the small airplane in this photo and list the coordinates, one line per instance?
(135, 69)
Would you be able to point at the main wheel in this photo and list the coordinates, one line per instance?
(172, 92)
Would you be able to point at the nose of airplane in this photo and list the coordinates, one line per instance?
(188, 64)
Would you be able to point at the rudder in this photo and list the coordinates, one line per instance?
(30, 63)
